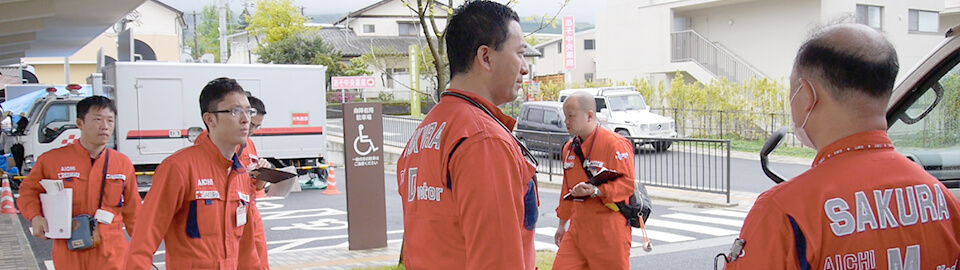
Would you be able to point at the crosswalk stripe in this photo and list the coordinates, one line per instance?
(662, 236)
(720, 212)
(721, 221)
(689, 227)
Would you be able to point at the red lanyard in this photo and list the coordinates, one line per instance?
(852, 149)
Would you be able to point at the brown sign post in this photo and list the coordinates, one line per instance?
(363, 155)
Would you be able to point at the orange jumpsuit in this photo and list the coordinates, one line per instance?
(248, 153)
(598, 238)
(198, 205)
(861, 206)
(469, 199)
(73, 165)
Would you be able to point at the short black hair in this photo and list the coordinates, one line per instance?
(256, 103)
(215, 91)
(476, 23)
(99, 102)
(870, 70)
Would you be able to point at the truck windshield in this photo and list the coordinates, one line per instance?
(626, 102)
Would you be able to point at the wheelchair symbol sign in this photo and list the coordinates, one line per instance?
(363, 140)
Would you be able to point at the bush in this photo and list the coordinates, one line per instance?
(337, 98)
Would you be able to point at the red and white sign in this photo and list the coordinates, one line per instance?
(353, 82)
(300, 119)
(569, 44)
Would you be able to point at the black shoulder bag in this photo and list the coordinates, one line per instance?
(635, 208)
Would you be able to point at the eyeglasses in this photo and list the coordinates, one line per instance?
(239, 111)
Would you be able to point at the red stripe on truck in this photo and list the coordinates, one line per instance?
(165, 134)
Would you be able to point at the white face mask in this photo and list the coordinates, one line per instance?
(799, 131)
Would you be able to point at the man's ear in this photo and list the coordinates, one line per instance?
(80, 123)
(483, 57)
(210, 119)
(817, 93)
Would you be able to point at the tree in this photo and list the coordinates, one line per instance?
(425, 11)
(208, 31)
(311, 50)
(276, 19)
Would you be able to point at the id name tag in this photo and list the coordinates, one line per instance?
(241, 215)
(207, 194)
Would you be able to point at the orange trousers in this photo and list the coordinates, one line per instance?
(108, 255)
(595, 240)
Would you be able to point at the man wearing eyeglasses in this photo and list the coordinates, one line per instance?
(250, 159)
(200, 198)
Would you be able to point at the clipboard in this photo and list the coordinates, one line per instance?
(601, 178)
(273, 175)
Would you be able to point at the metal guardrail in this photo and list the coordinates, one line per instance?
(689, 164)
(689, 45)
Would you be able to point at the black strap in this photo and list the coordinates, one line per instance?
(575, 144)
(103, 182)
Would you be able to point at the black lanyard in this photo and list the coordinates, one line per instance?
(103, 182)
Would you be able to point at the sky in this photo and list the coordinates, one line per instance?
(582, 10)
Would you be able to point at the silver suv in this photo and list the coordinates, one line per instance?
(623, 110)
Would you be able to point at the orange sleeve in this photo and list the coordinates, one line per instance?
(30, 189)
(131, 198)
(490, 195)
(164, 200)
(618, 190)
(565, 207)
(769, 239)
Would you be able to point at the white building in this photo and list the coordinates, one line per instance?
(738, 39)
(551, 58)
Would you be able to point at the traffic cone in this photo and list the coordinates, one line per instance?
(6, 199)
(331, 183)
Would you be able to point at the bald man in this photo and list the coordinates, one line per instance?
(598, 236)
(862, 205)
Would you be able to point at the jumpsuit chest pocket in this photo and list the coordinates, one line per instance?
(113, 192)
(208, 212)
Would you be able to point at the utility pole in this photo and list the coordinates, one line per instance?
(223, 31)
(196, 44)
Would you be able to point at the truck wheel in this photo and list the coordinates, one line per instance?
(662, 145)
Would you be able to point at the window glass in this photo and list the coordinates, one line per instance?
(59, 117)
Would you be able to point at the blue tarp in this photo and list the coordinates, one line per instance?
(25, 102)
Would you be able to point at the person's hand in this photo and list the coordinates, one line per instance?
(582, 189)
(559, 235)
(39, 224)
(259, 163)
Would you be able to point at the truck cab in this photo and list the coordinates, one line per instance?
(52, 124)
(923, 116)
(623, 110)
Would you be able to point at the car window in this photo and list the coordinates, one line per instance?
(57, 118)
(601, 104)
(937, 130)
(535, 115)
(626, 102)
(549, 117)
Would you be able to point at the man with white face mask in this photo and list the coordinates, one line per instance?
(862, 205)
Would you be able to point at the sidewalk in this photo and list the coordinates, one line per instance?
(15, 251)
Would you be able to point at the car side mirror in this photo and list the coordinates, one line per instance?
(555, 123)
(768, 148)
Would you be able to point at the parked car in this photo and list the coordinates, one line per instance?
(540, 127)
(623, 110)
(923, 116)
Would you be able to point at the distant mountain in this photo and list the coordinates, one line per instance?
(527, 24)
(326, 18)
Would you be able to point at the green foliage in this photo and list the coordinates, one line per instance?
(745, 107)
(208, 32)
(276, 19)
(311, 50)
(550, 91)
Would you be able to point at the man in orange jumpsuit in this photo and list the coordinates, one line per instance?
(862, 205)
(469, 197)
(598, 237)
(199, 202)
(249, 158)
(81, 166)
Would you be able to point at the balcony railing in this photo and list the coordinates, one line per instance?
(688, 45)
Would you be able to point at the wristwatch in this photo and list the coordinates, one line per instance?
(596, 192)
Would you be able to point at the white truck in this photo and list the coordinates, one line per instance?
(157, 103)
(622, 109)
